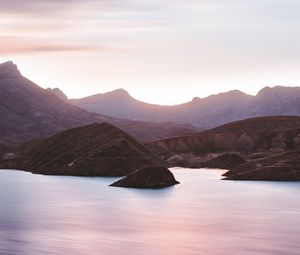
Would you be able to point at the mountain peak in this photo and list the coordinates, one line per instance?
(264, 90)
(9, 70)
(236, 92)
(119, 92)
(228, 94)
(195, 99)
(280, 92)
(231, 93)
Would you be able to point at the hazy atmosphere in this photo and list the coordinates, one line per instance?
(141, 127)
(150, 47)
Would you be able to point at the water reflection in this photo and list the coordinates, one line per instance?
(203, 215)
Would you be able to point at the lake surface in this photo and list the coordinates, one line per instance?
(202, 215)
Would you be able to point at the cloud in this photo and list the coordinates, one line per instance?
(156, 41)
(231, 27)
(71, 25)
(12, 45)
(35, 6)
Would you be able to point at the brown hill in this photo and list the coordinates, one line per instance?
(276, 133)
(270, 145)
(281, 167)
(93, 150)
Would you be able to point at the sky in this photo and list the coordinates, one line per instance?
(160, 51)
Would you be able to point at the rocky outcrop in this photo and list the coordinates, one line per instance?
(181, 161)
(224, 161)
(93, 150)
(9, 70)
(150, 177)
(59, 93)
(280, 167)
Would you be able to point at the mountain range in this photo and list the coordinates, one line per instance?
(203, 113)
(28, 111)
(252, 147)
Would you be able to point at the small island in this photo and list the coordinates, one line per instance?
(149, 177)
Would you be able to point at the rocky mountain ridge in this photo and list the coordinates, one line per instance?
(28, 111)
(204, 113)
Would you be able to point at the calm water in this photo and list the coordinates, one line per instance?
(203, 215)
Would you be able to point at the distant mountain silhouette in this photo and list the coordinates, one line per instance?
(204, 113)
(28, 111)
(120, 104)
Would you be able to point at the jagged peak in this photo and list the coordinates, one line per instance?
(59, 93)
(234, 92)
(229, 93)
(7, 63)
(9, 70)
(277, 89)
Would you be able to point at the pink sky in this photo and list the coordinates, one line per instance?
(163, 51)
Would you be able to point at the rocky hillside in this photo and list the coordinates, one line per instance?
(59, 93)
(28, 111)
(280, 167)
(265, 148)
(278, 133)
(93, 150)
(204, 113)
